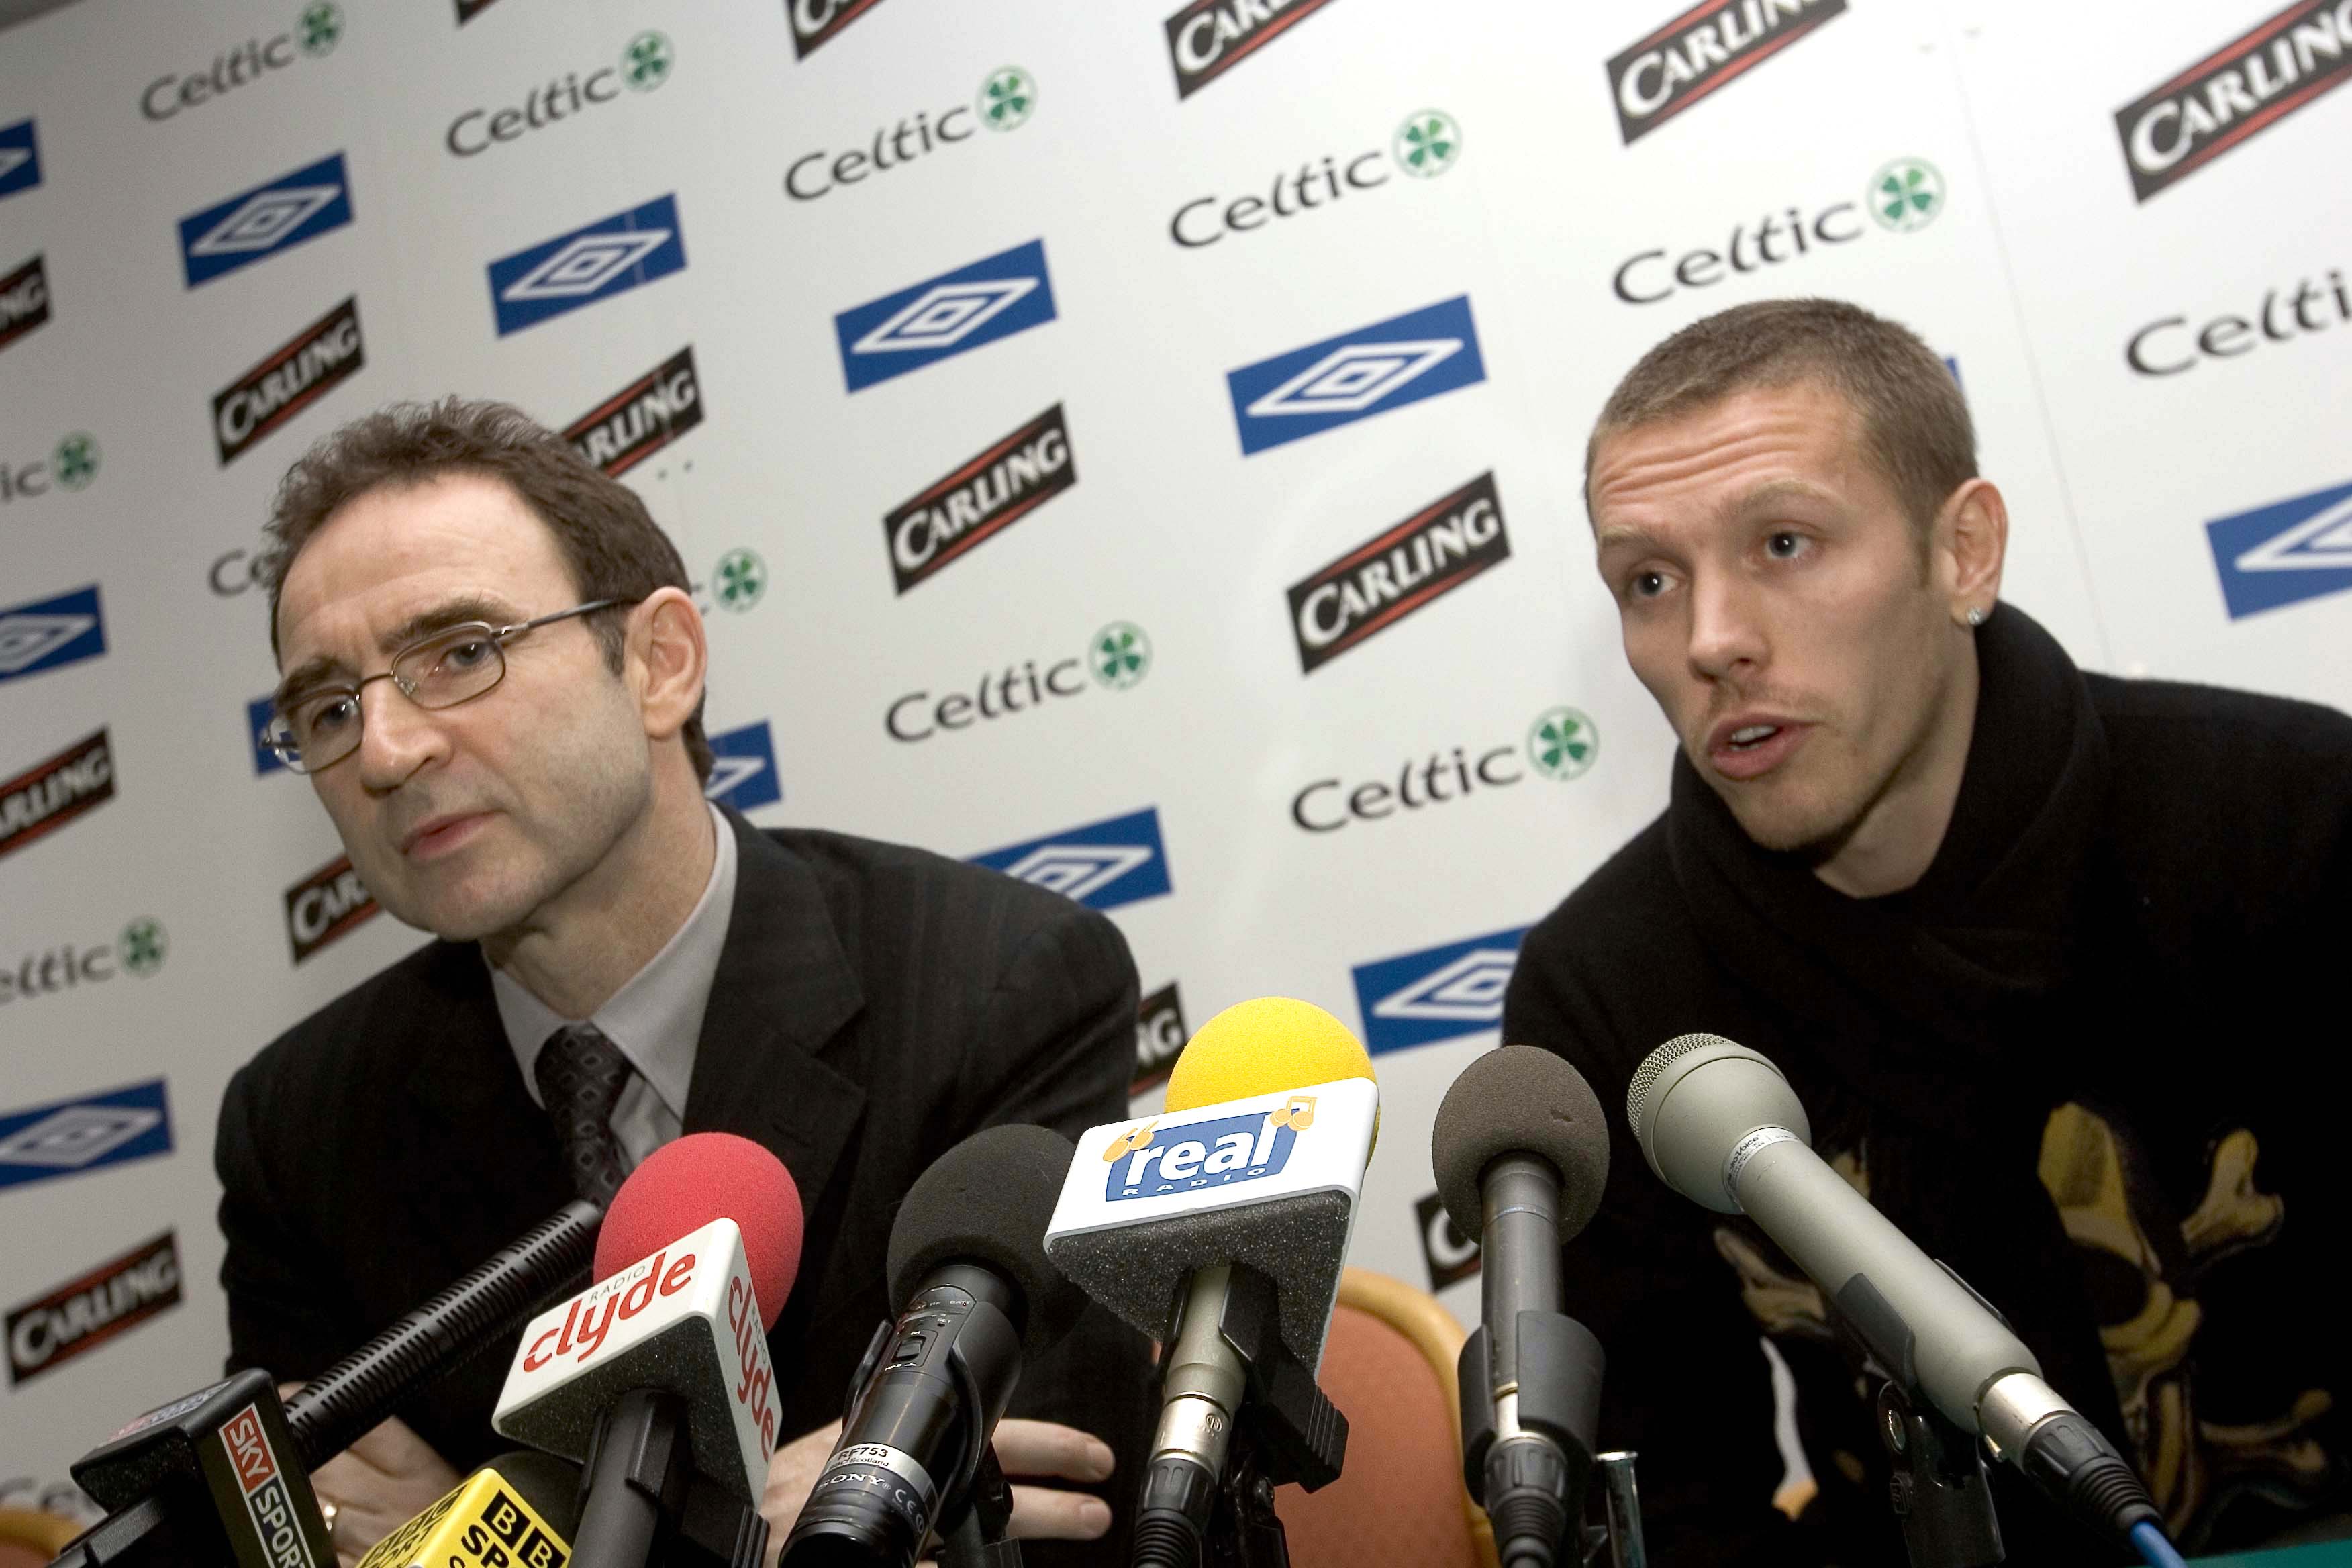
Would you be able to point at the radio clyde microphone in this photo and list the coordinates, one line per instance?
(1719, 1124)
(967, 1257)
(1521, 1152)
(519, 1510)
(657, 1377)
(1218, 1228)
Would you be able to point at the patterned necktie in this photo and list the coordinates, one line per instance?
(581, 1074)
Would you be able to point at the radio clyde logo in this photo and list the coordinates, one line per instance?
(1449, 1256)
(2285, 552)
(642, 418)
(325, 907)
(942, 317)
(985, 495)
(1701, 51)
(71, 1320)
(1397, 571)
(2246, 86)
(1357, 375)
(743, 768)
(24, 300)
(47, 633)
(1437, 994)
(255, 224)
(592, 263)
(1102, 865)
(1209, 37)
(51, 794)
(297, 373)
(1119, 656)
(816, 23)
(20, 158)
(1159, 1036)
(66, 1137)
(1150, 1160)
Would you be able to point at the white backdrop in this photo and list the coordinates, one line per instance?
(1477, 153)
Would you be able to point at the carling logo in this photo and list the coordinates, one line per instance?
(24, 300)
(2249, 84)
(1209, 37)
(815, 22)
(642, 418)
(1388, 577)
(983, 497)
(20, 158)
(1151, 1159)
(469, 9)
(1419, 998)
(51, 632)
(326, 906)
(1356, 374)
(1159, 1036)
(2287, 550)
(318, 358)
(1700, 51)
(743, 768)
(49, 794)
(593, 262)
(1102, 865)
(72, 1320)
(940, 317)
(68, 1137)
(261, 222)
(1451, 1255)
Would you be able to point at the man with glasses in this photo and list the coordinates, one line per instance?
(493, 677)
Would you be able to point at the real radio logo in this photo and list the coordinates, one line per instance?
(1153, 1160)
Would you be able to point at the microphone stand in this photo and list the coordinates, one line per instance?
(642, 1500)
(1939, 1489)
(981, 1536)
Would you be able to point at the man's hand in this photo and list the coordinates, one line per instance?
(1033, 1449)
(378, 1484)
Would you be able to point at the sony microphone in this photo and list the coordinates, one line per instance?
(1719, 1124)
(1521, 1151)
(967, 1257)
(519, 1510)
(1218, 1228)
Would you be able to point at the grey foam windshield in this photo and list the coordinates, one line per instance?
(1520, 1099)
(989, 1200)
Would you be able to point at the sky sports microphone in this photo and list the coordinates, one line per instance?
(519, 1510)
(1521, 1151)
(1720, 1125)
(1218, 1228)
(967, 1257)
(657, 1377)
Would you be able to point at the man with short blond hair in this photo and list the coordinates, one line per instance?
(2042, 953)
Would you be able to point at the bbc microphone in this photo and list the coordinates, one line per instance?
(1521, 1152)
(1218, 1228)
(1720, 1125)
(519, 1510)
(967, 1257)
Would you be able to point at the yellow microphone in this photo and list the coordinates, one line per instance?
(517, 1511)
(1269, 1045)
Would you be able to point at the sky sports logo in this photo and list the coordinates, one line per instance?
(1209, 37)
(642, 418)
(942, 317)
(743, 769)
(592, 263)
(20, 158)
(47, 633)
(1356, 374)
(53, 792)
(70, 1320)
(2283, 553)
(297, 373)
(1400, 569)
(24, 300)
(984, 496)
(68, 1137)
(1419, 998)
(255, 224)
(1103, 865)
(1701, 52)
(2251, 83)
(1150, 1160)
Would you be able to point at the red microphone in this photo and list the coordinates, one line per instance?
(688, 1182)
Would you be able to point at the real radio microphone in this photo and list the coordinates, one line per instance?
(1720, 1125)
(1521, 1152)
(967, 1257)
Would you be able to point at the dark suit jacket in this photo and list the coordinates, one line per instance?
(873, 1005)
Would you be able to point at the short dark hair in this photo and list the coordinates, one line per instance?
(1914, 422)
(611, 543)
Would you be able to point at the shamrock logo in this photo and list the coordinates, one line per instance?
(1007, 99)
(76, 460)
(1122, 655)
(1562, 743)
(143, 945)
(321, 27)
(1427, 144)
(645, 64)
(742, 579)
(1907, 195)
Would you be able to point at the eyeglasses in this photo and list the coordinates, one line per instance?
(321, 728)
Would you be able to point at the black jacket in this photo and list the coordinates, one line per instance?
(873, 1005)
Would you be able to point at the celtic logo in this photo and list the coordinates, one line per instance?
(76, 460)
(1122, 655)
(1562, 743)
(321, 27)
(1907, 195)
(1007, 99)
(742, 579)
(645, 64)
(1428, 143)
(144, 946)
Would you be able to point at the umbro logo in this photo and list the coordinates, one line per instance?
(69, 1136)
(1419, 998)
(743, 768)
(1101, 865)
(594, 262)
(261, 222)
(51, 631)
(940, 317)
(20, 158)
(2286, 552)
(1356, 374)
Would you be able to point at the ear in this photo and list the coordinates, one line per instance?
(1971, 543)
(668, 660)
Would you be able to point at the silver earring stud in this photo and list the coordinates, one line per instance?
(1975, 616)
